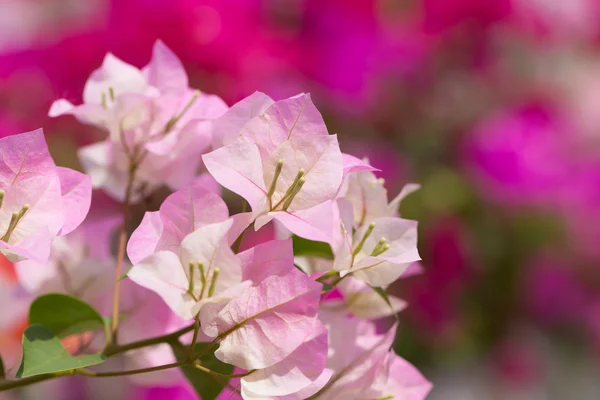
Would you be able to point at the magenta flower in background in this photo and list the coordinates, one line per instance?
(553, 292)
(440, 15)
(521, 157)
(434, 295)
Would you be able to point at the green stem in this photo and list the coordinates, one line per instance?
(8, 385)
(214, 373)
(195, 337)
(130, 372)
(206, 348)
(112, 350)
(114, 328)
(327, 275)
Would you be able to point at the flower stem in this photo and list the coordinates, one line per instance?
(117, 349)
(13, 384)
(130, 372)
(194, 338)
(121, 254)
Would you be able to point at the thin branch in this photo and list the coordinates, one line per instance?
(92, 374)
(117, 349)
(121, 253)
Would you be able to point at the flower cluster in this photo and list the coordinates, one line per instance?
(295, 317)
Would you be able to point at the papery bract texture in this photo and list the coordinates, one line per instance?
(284, 163)
(267, 322)
(42, 200)
(361, 361)
(153, 119)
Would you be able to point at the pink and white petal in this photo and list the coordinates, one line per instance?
(209, 245)
(268, 322)
(76, 190)
(32, 274)
(355, 164)
(193, 138)
(60, 107)
(364, 302)
(238, 168)
(413, 269)
(34, 247)
(262, 220)
(114, 73)
(227, 128)
(210, 307)
(285, 119)
(165, 70)
(311, 389)
(206, 181)
(275, 257)
(392, 209)
(23, 156)
(294, 373)
(320, 223)
(145, 238)
(93, 114)
(96, 160)
(42, 195)
(163, 273)
(368, 197)
(186, 158)
(401, 235)
(377, 272)
(207, 107)
(187, 210)
(241, 221)
(407, 382)
(319, 157)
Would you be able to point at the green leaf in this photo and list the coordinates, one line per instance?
(207, 386)
(2, 373)
(64, 315)
(310, 248)
(381, 292)
(43, 354)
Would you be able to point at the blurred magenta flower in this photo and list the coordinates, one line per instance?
(521, 156)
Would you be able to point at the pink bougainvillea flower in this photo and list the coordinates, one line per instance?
(358, 298)
(287, 166)
(182, 252)
(204, 267)
(380, 252)
(78, 265)
(38, 200)
(298, 371)
(267, 322)
(153, 119)
(302, 372)
(375, 245)
(227, 128)
(362, 301)
(181, 213)
(399, 379)
(363, 365)
(369, 198)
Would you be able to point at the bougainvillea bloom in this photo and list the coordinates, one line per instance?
(38, 200)
(286, 166)
(182, 251)
(363, 365)
(154, 121)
